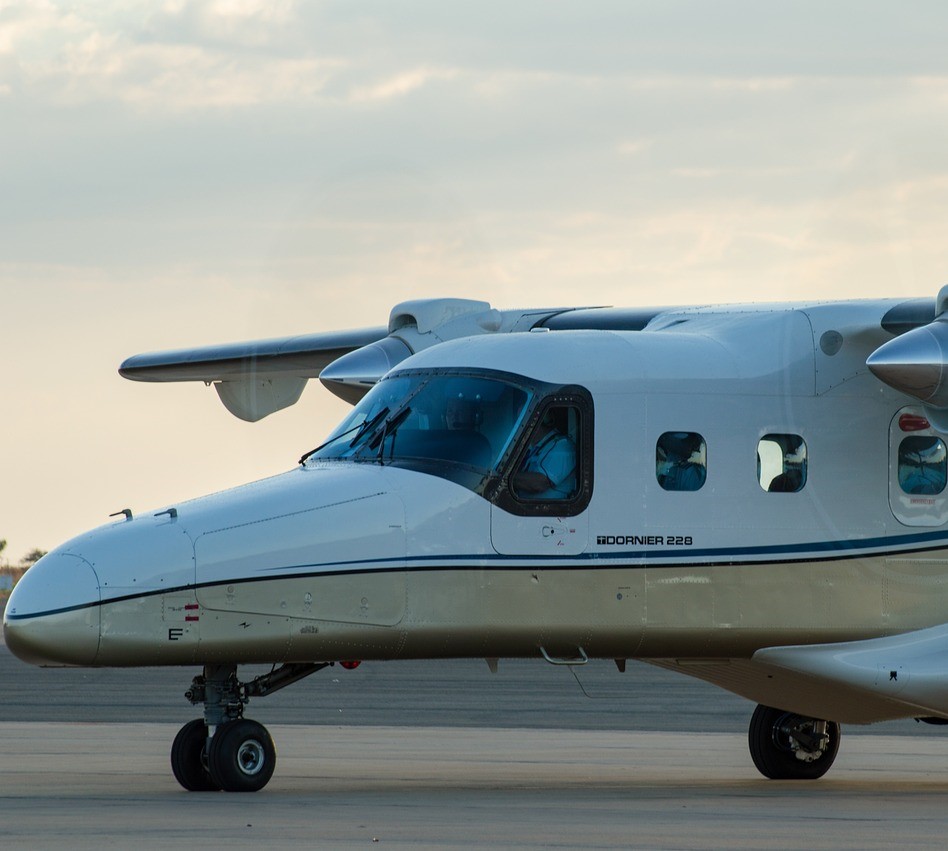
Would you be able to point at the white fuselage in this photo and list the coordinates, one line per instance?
(340, 559)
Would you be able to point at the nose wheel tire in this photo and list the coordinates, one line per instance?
(189, 760)
(241, 756)
(786, 746)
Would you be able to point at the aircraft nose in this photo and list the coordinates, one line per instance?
(52, 616)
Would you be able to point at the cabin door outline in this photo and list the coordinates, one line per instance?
(918, 495)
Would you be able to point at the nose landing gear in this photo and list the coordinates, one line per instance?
(223, 750)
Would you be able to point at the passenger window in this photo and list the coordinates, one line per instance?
(781, 463)
(548, 469)
(681, 461)
(923, 465)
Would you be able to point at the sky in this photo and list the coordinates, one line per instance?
(183, 173)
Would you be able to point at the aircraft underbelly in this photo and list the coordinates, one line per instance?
(342, 562)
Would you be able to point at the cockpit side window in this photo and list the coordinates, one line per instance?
(548, 469)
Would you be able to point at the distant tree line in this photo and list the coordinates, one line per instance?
(29, 559)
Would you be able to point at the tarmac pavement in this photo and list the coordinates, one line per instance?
(108, 785)
(449, 755)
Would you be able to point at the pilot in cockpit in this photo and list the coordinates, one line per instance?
(462, 414)
(548, 470)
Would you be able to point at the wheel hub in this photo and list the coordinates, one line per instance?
(806, 739)
(251, 757)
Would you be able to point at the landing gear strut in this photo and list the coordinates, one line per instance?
(224, 750)
(785, 746)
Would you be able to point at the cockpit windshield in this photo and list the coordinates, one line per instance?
(425, 419)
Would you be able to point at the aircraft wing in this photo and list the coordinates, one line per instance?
(305, 356)
(257, 378)
(854, 682)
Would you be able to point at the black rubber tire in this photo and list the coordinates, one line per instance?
(241, 756)
(773, 752)
(187, 758)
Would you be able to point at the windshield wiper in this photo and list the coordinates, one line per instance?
(362, 428)
(388, 429)
(368, 425)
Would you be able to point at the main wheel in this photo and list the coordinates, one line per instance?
(241, 756)
(786, 746)
(189, 760)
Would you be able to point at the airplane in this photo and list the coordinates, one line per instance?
(753, 495)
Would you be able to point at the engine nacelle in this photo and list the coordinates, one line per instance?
(916, 362)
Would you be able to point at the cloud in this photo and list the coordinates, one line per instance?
(182, 56)
(400, 84)
(189, 56)
(182, 77)
(233, 22)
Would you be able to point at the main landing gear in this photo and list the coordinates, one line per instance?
(785, 746)
(223, 750)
